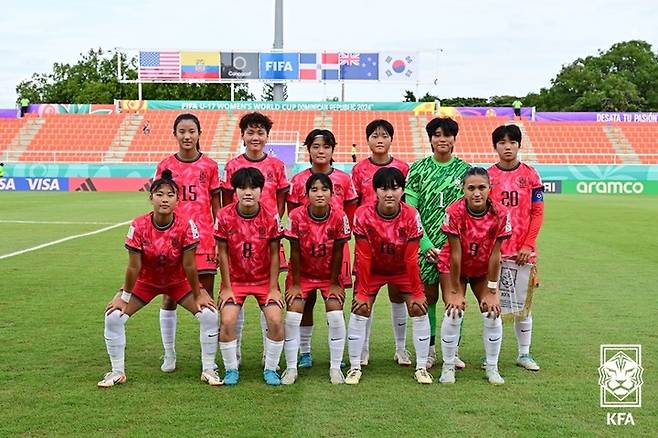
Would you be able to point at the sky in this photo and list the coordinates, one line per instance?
(476, 48)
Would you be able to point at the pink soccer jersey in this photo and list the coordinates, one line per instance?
(363, 172)
(316, 240)
(198, 181)
(477, 236)
(248, 240)
(273, 169)
(517, 189)
(388, 237)
(344, 191)
(162, 248)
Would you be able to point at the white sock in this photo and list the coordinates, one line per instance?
(115, 339)
(523, 329)
(450, 337)
(421, 332)
(366, 340)
(356, 332)
(336, 322)
(492, 335)
(229, 354)
(208, 332)
(305, 333)
(263, 328)
(238, 329)
(399, 321)
(168, 331)
(272, 353)
(291, 344)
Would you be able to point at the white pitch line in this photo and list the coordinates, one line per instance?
(65, 239)
(54, 222)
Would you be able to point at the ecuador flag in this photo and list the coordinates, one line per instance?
(199, 65)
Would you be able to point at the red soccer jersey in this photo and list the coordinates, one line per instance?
(517, 189)
(198, 181)
(363, 172)
(248, 240)
(274, 171)
(387, 238)
(477, 236)
(316, 240)
(162, 248)
(343, 188)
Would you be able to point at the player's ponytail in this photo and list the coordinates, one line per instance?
(193, 118)
(166, 178)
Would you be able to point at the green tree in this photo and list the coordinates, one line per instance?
(93, 79)
(409, 96)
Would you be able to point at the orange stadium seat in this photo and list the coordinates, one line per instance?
(9, 129)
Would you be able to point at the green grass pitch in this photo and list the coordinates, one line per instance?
(598, 268)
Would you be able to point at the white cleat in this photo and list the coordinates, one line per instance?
(493, 376)
(289, 376)
(211, 378)
(112, 378)
(402, 358)
(336, 376)
(422, 376)
(447, 374)
(526, 361)
(168, 363)
(365, 358)
(353, 377)
(431, 358)
(459, 364)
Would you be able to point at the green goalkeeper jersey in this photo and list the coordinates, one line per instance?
(431, 187)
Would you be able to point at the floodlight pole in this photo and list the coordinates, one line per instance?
(139, 91)
(277, 89)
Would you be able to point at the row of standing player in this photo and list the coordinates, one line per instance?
(433, 184)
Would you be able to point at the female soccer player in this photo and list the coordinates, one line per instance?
(387, 235)
(255, 129)
(476, 227)
(317, 234)
(161, 260)
(432, 185)
(248, 235)
(379, 135)
(321, 144)
(518, 187)
(197, 176)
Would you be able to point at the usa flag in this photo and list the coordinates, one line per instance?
(159, 65)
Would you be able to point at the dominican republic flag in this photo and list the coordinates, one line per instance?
(308, 66)
(318, 66)
(330, 67)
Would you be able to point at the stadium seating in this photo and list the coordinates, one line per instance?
(644, 139)
(8, 130)
(569, 142)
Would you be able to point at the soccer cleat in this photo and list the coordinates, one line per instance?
(431, 358)
(447, 374)
(289, 376)
(402, 358)
(526, 361)
(422, 376)
(231, 377)
(336, 376)
(271, 377)
(112, 378)
(353, 377)
(459, 364)
(168, 363)
(262, 362)
(365, 358)
(493, 376)
(305, 360)
(211, 378)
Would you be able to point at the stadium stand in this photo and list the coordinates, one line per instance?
(8, 131)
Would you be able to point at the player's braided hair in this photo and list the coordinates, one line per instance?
(166, 178)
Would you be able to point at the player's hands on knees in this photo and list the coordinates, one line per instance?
(337, 292)
(490, 304)
(420, 303)
(455, 304)
(225, 296)
(523, 255)
(432, 255)
(293, 293)
(204, 300)
(358, 305)
(275, 297)
(116, 304)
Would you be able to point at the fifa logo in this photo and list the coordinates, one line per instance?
(620, 376)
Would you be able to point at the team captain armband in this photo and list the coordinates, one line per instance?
(538, 194)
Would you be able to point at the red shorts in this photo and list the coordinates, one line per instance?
(399, 280)
(345, 276)
(206, 263)
(309, 286)
(259, 291)
(147, 292)
(283, 262)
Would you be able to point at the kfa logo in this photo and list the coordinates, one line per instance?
(620, 376)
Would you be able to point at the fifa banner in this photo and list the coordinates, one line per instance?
(220, 66)
(516, 288)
